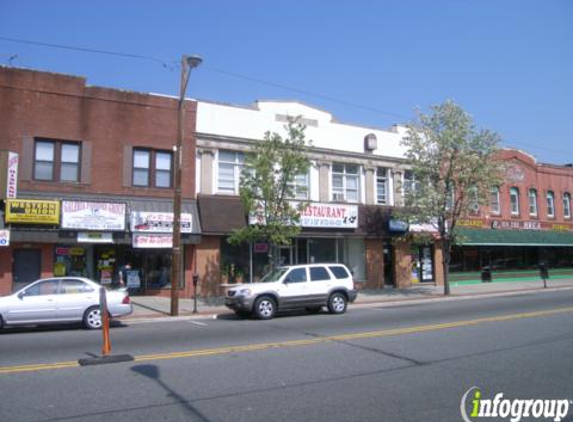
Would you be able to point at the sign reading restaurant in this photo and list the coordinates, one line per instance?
(330, 215)
(31, 211)
(81, 215)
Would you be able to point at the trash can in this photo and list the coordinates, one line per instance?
(486, 275)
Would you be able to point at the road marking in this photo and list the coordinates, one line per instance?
(202, 324)
(299, 343)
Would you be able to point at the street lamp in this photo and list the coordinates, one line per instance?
(187, 64)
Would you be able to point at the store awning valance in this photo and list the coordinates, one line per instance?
(492, 237)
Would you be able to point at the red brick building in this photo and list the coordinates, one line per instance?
(529, 221)
(94, 182)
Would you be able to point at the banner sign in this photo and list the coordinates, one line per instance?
(158, 222)
(330, 215)
(476, 223)
(4, 238)
(93, 215)
(31, 211)
(152, 241)
(95, 237)
(12, 175)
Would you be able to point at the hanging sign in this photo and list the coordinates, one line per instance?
(95, 237)
(12, 175)
(93, 215)
(158, 222)
(152, 240)
(4, 238)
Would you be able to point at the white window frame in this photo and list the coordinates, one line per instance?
(237, 164)
(532, 197)
(550, 204)
(382, 175)
(342, 193)
(567, 205)
(514, 200)
(495, 205)
(301, 190)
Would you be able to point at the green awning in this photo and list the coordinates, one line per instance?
(493, 237)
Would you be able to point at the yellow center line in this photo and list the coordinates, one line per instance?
(299, 343)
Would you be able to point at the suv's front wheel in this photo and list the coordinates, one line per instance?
(265, 307)
(337, 303)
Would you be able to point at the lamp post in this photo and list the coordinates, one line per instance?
(187, 64)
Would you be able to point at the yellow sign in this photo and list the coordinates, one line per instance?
(31, 211)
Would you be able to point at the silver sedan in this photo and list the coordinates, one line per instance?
(62, 299)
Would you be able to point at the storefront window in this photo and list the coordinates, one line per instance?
(70, 261)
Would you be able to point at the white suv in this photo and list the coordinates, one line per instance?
(309, 286)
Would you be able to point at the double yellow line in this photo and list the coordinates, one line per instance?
(298, 343)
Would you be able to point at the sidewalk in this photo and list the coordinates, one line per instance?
(146, 307)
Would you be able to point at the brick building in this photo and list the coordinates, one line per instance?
(529, 221)
(93, 188)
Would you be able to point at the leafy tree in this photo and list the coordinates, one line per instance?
(266, 187)
(454, 168)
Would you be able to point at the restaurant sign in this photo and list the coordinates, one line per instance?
(158, 222)
(82, 215)
(31, 211)
(330, 215)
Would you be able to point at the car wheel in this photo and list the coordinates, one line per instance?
(265, 308)
(337, 303)
(314, 309)
(92, 318)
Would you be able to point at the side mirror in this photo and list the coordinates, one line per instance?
(21, 295)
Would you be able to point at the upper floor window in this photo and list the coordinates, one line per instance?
(345, 182)
(514, 201)
(231, 164)
(299, 186)
(152, 168)
(494, 204)
(409, 182)
(57, 160)
(382, 185)
(550, 204)
(567, 205)
(532, 202)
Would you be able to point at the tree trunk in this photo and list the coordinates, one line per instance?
(446, 264)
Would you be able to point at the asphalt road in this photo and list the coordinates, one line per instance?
(377, 363)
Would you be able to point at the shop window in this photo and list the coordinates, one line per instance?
(152, 168)
(382, 186)
(533, 202)
(514, 201)
(550, 204)
(567, 205)
(230, 165)
(345, 182)
(494, 204)
(57, 160)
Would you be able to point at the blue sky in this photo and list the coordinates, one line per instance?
(508, 63)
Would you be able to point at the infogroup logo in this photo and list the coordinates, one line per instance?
(513, 409)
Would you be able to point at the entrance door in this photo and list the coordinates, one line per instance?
(284, 256)
(388, 265)
(27, 267)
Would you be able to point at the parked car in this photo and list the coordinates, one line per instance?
(310, 287)
(62, 299)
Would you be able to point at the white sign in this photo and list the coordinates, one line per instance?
(152, 241)
(158, 222)
(330, 215)
(12, 176)
(94, 237)
(4, 238)
(93, 215)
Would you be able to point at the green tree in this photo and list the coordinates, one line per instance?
(453, 168)
(267, 187)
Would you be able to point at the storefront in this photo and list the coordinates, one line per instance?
(511, 249)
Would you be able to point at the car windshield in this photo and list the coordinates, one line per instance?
(274, 275)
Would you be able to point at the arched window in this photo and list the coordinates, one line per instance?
(494, 200)
(514, 201)
(550, 204)
(567, 205)
(533, 202)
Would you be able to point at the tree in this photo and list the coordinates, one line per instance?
(267, 187)
(454, 168)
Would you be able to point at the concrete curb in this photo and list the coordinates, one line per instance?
(390, 303)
